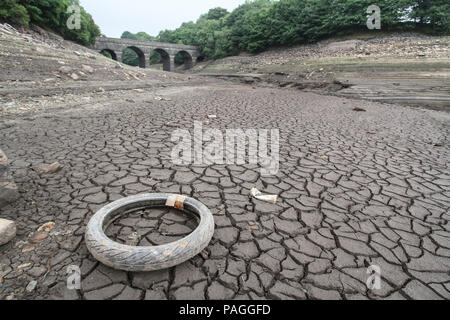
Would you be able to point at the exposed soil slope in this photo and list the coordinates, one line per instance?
(405, 68)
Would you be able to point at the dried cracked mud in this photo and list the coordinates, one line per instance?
(355, 189)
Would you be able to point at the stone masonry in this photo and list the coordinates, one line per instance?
(143, 49)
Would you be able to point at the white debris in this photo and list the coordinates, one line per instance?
(31, 286)
(255, 193)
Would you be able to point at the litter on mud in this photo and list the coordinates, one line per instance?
(163, 99)
(130, 257)
(255, 193)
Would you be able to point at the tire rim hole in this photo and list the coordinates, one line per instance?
(151, 226)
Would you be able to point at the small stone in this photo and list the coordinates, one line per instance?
(38, 237)
(24, 266)
(8, 193)
(8, 231)
(47, 227)
(87, 69)
(49, 80)
(28, 248)
(65, 69)
(74, 76)
(3, 158)
(48, 168)
(172, 125)
(31, 286)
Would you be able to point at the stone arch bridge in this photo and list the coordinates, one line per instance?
(143, 49)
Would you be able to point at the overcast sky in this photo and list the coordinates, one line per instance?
(116, 16)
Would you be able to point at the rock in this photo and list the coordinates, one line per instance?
(3, 159)
(48, 168)
(31, 286)
(49, 80)
(172, 125)
(40, 50)
(8, 231)
(8, 189)
(47, 227)
(8, 193)
(74, 76)
(87, 69)
(38, 237)
(28, 248)
(65, 69)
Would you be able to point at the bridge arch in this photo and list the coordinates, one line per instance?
(109, 52)
(186, 57)
(165, 58)
(140, 54)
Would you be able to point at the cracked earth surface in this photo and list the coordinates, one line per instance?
(355, 189)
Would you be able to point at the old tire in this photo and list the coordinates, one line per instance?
(128, 258)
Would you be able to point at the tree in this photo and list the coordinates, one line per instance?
(260, 24)
(14, 11)
(51, 15)
(128, 35)
(216, 13)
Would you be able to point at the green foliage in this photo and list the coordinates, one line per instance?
(106, 54)
(14, 11)
(51, 15)
(434, 14)
(215, 14)
(260, 24)
(130, 57)
(128, 35)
